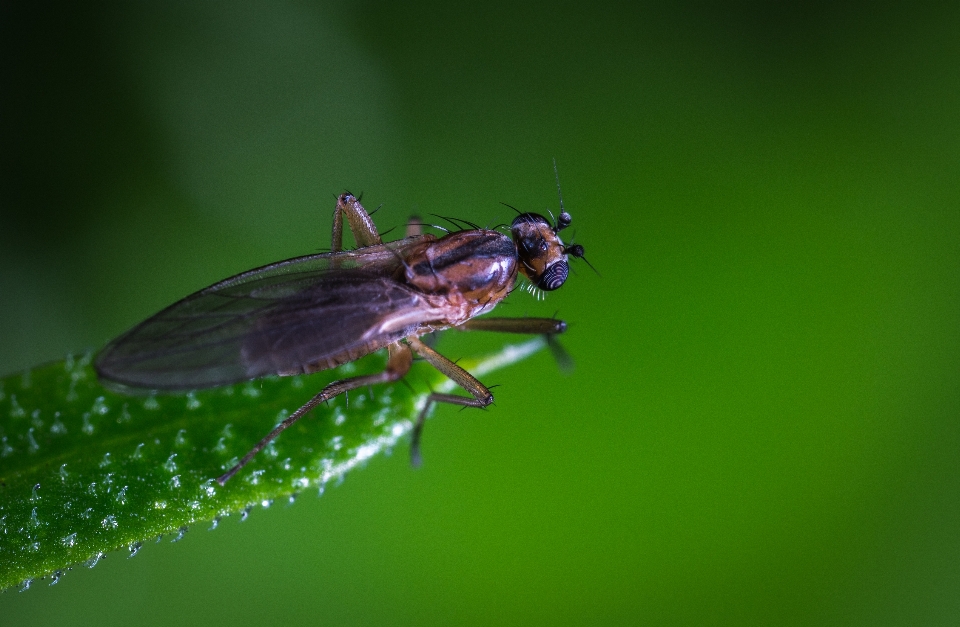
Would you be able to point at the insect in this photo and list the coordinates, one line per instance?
(316, 312)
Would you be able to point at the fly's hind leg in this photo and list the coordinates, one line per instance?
(398, 364)
(361, 224)
(547, 327)
(482, 397)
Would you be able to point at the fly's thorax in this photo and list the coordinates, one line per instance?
(478, 266)
(542, 255)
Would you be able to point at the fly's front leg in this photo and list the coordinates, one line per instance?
(481, 395)
(547, 327)
(361, 224)
(398, 364)
(533, 326)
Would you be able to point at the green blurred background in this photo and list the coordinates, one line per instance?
(764, 423)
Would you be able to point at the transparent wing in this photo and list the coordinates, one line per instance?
(299, 315)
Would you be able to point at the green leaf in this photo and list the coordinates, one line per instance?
(85, 471)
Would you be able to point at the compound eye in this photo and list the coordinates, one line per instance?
(554, 276)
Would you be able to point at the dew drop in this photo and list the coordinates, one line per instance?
(92, 488)
(55, 577)
(72, 390)
(254, 477)
(192, 402)
(34, 497)
(227, 430)
(5, 449)
(105, 461)
(271, 450)
(110, 522)
(170, 465)
(214, 523)
(99, 406)
(35, 418)
(175, 481)
(266, 503)
(25, 585)
(292, 498)
(87, 513)
(87, 426)
(221, 445)
(160, 505)
(32, 445)
(34, 521)
(93, 561)
(208, 488)
(122, 495)
(182, 531)
(230, 463)
(296, 382)
(250, 390)
(151, 403)
(35, 547)
(137, 452)
(301, 482)
(134, 549)
(16, 411)
(180, 439)
(245, 513)
(336, 443)
(124, 414)
(69, 541)
(57, 428)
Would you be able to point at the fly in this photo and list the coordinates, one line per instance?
(316, 312)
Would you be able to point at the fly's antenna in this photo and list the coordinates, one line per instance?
(564, 219)
(556, 174)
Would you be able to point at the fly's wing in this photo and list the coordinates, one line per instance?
(279, 319)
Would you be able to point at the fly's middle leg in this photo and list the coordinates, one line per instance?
(482, 396)
(547, 327)
(398, 364)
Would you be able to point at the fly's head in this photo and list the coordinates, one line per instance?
(543, 256)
